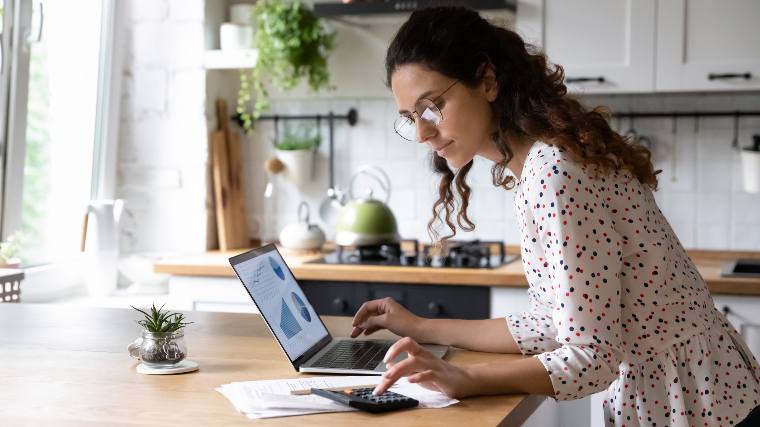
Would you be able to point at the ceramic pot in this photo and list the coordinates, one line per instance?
(298, 165)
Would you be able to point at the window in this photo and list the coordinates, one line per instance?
(53, 103)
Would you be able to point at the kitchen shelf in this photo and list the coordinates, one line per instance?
(230, 59)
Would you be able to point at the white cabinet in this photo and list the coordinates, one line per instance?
(708, 45)
(634, 46)
(605, 46)
(200, 293)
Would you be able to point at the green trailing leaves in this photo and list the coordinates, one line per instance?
(293, 45)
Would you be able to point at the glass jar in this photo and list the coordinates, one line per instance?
(160, 349)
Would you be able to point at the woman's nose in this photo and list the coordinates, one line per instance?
(425, 130)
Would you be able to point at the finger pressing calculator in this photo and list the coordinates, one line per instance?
(363, 399)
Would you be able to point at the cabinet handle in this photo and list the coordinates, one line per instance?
(434, 308)
(599, 79)
(340, 304)
(716, 76)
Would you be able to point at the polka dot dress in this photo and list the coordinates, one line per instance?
(617, 305)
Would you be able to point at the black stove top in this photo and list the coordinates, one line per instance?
(453, 254)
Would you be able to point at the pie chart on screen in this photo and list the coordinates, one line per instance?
(301, 306)
(277, 268)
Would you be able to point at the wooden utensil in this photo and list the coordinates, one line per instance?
(232, 227)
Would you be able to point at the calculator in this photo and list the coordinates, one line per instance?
(363, 399)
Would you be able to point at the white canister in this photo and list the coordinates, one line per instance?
(751, 170)
(241, 13)
(235, 36)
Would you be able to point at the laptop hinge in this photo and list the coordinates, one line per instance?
(312, 351)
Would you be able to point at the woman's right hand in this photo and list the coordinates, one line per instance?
(384, 313)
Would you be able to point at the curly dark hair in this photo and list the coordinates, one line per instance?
(532, 102)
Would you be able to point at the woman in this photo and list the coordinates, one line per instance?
(616, 303)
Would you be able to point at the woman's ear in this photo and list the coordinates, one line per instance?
(488, 82)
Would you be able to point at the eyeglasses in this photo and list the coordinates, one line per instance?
(426, 109)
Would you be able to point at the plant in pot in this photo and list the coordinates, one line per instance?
(10, 249)
(296, 149)
(293, 45)
(162, 343)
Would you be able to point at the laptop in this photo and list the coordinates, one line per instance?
(295, 325)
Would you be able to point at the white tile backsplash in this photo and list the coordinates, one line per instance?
(745, 209)
(745, 237)
(713, 207)
(713, 235)
(700, 186)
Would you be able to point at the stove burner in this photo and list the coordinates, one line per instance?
(469, 255)
(386, 253)
(460, 254)
(453, 254)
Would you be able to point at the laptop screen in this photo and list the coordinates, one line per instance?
(280, 300)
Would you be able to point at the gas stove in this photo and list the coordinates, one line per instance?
(410, 253)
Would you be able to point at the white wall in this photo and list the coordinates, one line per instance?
(162, 137)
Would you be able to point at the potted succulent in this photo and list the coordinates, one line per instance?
(293, 45)
(162, 343)
(296, 149)
(9, 250)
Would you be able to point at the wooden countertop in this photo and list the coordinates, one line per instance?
(62, 365)
(216, 264)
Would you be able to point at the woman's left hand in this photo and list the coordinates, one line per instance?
(424, 368)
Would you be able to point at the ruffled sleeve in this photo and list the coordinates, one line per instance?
(533, 332)
(582, 261)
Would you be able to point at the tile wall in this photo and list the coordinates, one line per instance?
(700, 186)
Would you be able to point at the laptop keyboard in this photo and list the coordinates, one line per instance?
(353, 355)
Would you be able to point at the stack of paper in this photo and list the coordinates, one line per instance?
(272, 398)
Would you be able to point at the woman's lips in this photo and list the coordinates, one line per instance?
(440, 149)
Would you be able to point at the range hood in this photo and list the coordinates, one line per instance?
(370, 8)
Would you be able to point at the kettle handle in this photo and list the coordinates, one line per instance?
(303, 212)
(383, 180)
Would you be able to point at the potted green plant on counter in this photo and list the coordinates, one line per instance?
(297, 149)
(162, 343)
(293, 45)
(10, 249)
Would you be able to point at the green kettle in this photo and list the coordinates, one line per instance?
(367, 221)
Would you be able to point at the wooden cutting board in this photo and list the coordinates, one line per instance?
(227, 172)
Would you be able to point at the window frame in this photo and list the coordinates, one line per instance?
(54, 280)
(16, 62)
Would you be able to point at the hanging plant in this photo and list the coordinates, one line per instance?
(293, 44)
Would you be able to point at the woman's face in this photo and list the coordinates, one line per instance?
(467, 124)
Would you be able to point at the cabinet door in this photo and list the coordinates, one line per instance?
(334, 298)
(708, 45)
(605, 46)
